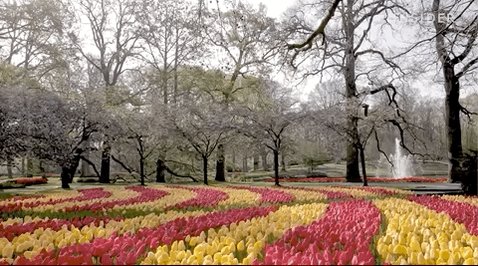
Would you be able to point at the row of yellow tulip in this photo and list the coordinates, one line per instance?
(417, 235)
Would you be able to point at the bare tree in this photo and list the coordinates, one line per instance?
(170, 31)
(31, 34)
(455, 45)
(201, 125)
(249, 41)
(269, 122)
(342, 51)
(114, 31)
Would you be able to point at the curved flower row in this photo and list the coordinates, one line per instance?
(415, 234)
(460, 212)
(58, 229)
(466, 199)
(238, 243)
(238, 197)
(175, 195)
(32, 243)
(342, 236)
(85, 194)
(144, 195)
(128, 248)
(268, 194)
(305, 196)
(12, 230)
(205, 197)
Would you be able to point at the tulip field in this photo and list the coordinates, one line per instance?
(221, 224)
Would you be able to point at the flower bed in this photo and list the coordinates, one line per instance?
(413, 179)
(342, 236)
(238, 225)
(28, 181)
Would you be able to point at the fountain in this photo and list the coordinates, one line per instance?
(402, 164)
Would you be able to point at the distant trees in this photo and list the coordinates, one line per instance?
(203, 125)
(269, 121)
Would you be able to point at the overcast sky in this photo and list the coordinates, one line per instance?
(274, 7)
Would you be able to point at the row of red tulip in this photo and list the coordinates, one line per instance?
(144, 195)
(342, 236)
(205, 197)
(129, 248)
(86, 194)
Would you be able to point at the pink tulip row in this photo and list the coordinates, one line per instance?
(129, 248)
(86, 194)
(11, 231)
(144, 195)
(460, 212)
(342, 236)
(205, 197)
(269, 195)
(329, 194)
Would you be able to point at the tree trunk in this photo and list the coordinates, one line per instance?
(265, 166)
(282, 161)
(364, 171)
(204, 167)
(42, 168)
(105, 164)
(276, 167)
(255, 159)
(74, 165)
(165, 71)
(85, 168)
(141, 170)
(9, 168)
(244, 164)
(470, 167)
(160, 168)
(23, 166)
(452, 114)
(29, 166)
(65, 177)
(176, 65)
(233, 161)
(220, 174)
(452, 103)
(352, 173)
